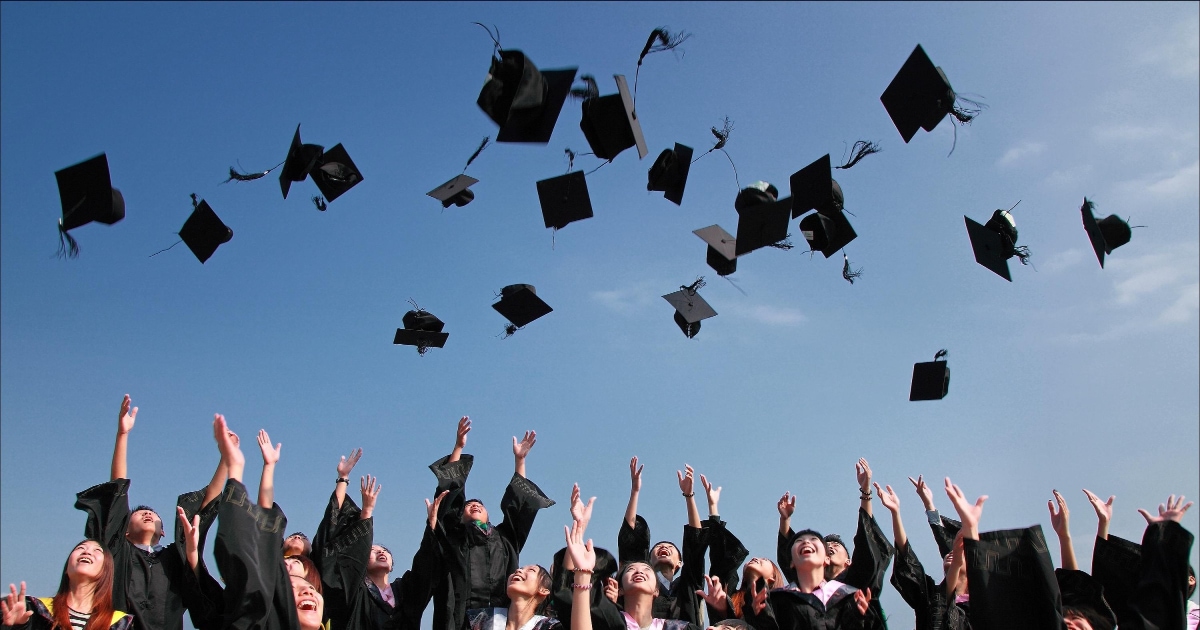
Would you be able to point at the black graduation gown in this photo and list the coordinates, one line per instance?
(934, 610)
(249, 553)
(342, 551)
(477, 563)
(1146, 584)
(43, 616)
(155, 587)
(868, 564)
(944, 533)
(1012, 581)
(789, 609)
(607, 616)
(725, 556)
(680, 600)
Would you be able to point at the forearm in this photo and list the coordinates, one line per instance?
(864, 500)
(901, 538)
(712, 509)
(213, 490)
(266, 487)
(1102, 529)
(1067, 550)
(455, 454)
(631, 508)
(693, 513)
(339, 491)
(519, 466)
(119, 467)
(785, 525)
(581, 608)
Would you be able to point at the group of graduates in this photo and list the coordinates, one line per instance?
(119, 578)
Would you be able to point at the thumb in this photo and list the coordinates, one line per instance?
(979, 502)
(1145, 515)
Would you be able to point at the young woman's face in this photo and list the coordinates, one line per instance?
(381, 559)
(310, 606)
(86, 562)
(639, 578)
(759, 568)
(294, 567)
(809, 551)
(527, 582)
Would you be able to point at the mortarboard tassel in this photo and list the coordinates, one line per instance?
(495, 38)
(235, 176)
(963, 115)
(482, 146)
(847, 273)
(590, 90)
(66, 243)
(785, 243)
(195, 206)
(692, 288)
(319, 202)
(860, 150)
(510, 330)
(722, 137)
(660, 39)
(941, 354)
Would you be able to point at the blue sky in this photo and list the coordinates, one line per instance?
(1069, 377)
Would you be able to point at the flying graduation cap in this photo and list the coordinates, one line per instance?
(690, 308)
(610, 123)
(813, 188)
(996, 241)
(762, 219)
(931, 380)
(332, 171)
(519, 304)
(456, 192)
(204, 232)
(722, 249)
(920, 96)
(1106, 234)
(523, 100)
(335, 173)
(564, 199)
(669, 172)
(300, 161)
(421, 329)
(86, 192)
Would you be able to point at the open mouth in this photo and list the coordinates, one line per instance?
(85, 560)
(517, 577)
(307, 605)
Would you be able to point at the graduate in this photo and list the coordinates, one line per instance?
(479, 557)
(83, 601)
(678, 575)
(259, 592)
(724, 599)
(155, 584)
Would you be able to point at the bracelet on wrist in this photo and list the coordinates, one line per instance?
(689, 494)
(588, 571)
(342, 480)
(581, 587)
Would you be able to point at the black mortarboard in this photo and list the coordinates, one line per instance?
(690, 308)
(670, 172)
(1106, 234)
(204, 232)
(301, 159)
(919, 97)
(827, 231)
(520, 304)
(335, 173)
(564, 199)
(995, 242)
(762, 221)
(722, 249)
(610, 123)
(523, 100)
(813, 188)
(455, 192)
(421, 329)
(86, 192)
(930, 380)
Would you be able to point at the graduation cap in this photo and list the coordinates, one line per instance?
(610, 123)
(335, 173)
(762, 221)
(827, 232)
(690, 308)
(204, 232)
(523, 100)
(995, 242)
(920, 96)
(722, 249)
(301, 159)
(421, 329)
(86, 192)
(813, 188)
(455, 192)
(670, 172)
(519, 304)
(564, 199)
(1106, 234)
(931, 380)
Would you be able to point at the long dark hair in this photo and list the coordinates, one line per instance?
(102, 605)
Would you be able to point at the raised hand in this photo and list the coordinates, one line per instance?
(13, 608)
(191, 536)
(758, 599)
(127, 418)
(270, 455)
(862, 470)
(346, 465)
(714, 494)
(612, 589)
(579, 511)
(369, 488)
(521, 449)
(862, 599)
(583, 555)
(968, 513)
(687, 480)
(1061, 519)
(924, 492)
(431, 509)
(635, 475)
(464, 427)
(714, 593)
(888, 498)
(231, 452)
(1172, 510)
(1104, 509)
(786, 505)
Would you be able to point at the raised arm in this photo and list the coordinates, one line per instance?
(687, 482)
(217, 483)
(966, 511)
(892, 502)
(783, 552)
(231, 453)
(460, 441)
(13, 609)
(1104, 510)
(635, 488)
(191, 535)
(786, 507)
(583, 558)
(369, 487)
(862, 471)
(521, 450)
(713, 495)
(266, 483)
(1060, 521)
(125, 421)
(344, 468)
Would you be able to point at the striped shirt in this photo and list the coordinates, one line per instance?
(78, 620)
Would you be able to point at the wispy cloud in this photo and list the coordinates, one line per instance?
(1185, 308)
(1021, 151)
(626, 300)
(767, 314)
(1173, 184)
(1177, 52)
(1062, 260)
(1125, 132)
(1070, 178)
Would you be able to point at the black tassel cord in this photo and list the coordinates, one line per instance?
(941, 354)
(495, 38)
(785, 243)
(847, 273)
(319, 202)
(964, 114)
(722, 136)
(860, 150)
(67, 246)
(482, 145)
(235, 176)
(660, 40)
(588, 91)
(195, 205)
(692, 288)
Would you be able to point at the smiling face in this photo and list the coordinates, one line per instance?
(310, 606)
(86, 562)
(839, 558)
(760, 568)
(145, 527)
(296, 545)
(808, 551)
(474, 511)
(381, 559)
(665, 557)
(638, 578)
(1074, 620)
(528, 582)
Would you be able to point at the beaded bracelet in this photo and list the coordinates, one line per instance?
(581, 587)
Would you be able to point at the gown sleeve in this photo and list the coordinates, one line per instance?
(343, 557)
(107, 508)
(520, 504)
(249, 556)
(633, 543)
(910, 580)
(1159, 600)
(725, 553)
(872, 554)
(691, 574)
(415, 588)
(944, 533)
(1115, 564)
(452, 477)
(202, 594)
(783, 555)
(1012, 581)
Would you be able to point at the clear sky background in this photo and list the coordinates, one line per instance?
(1069, 377)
